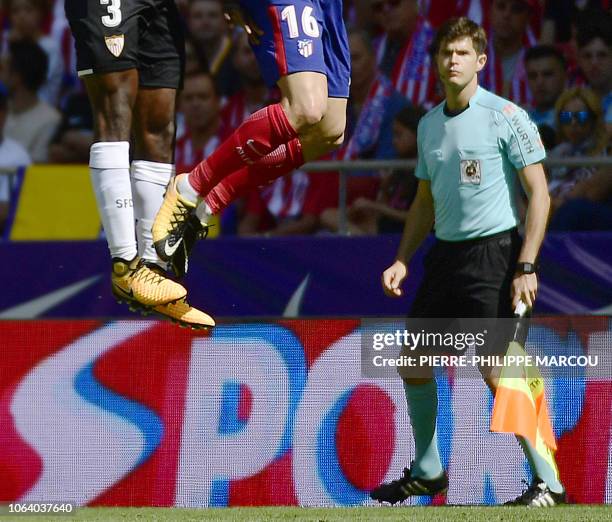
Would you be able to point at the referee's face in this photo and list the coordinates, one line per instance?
(458, 62)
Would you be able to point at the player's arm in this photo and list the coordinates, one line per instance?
(533, 179)
(418, 224)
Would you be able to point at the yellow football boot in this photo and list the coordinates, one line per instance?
(171, 221)
(185, 315)
(142, 285)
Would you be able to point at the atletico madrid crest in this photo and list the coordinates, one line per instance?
(305, 48)
(115, 44)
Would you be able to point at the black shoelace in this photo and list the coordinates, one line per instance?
(178, 223)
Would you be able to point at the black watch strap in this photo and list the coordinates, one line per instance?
(526, 268)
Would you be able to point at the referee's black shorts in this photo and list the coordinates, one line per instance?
(115, 35)
(469, 278)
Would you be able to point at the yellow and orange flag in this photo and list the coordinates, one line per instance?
(520, 407)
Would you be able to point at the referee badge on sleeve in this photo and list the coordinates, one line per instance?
(470, 172)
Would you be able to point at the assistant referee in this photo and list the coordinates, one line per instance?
(470, 149)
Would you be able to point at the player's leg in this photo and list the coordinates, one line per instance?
(320, 120)
(295, 58)
(313, 73)
(304, 50)
(313, 101)
(326, 133)
(106, 63)
(320, 139)
(161, 69)
(151, 171)
(276, 164)
(106, 37)
(152, 166)
(305, 113)
(112, 97)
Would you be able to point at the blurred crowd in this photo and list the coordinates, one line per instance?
(552, 57)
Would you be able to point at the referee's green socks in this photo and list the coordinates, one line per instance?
(423, 405)
(540, 468)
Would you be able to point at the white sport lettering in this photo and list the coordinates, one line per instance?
(288, 15)
(310, 27)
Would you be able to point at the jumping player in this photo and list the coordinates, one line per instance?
(130, 57)
(302, 47)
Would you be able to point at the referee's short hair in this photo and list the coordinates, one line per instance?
(455, 28)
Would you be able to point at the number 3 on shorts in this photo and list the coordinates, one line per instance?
(309, 23)
(113, 19)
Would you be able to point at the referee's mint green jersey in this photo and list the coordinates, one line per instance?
(471, 160)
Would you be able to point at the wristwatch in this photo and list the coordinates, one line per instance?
(526, 268)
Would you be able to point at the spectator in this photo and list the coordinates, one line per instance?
(200, 106)
(438, 11)
(75, 134)
(504, 72)
(209, 31)
(372, 106)
(194, 61)
(590, 207)
(402, 53)
(358, 15)
(480, 12)
(58, 23)
(547, 78)
(12, 155)
(559, 16)
(582, 133)
(290, 205)
(26, 19)
(387, 213)
(253, 95)
(594, 41)
(59, 31)
(373, 103)
(30, 121)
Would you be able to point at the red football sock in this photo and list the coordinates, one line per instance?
(283, 160)
(259, 135)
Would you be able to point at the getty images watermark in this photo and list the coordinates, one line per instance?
(416, 348)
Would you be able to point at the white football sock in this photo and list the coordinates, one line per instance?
(186, 190)
(203, 212)
(149, 182)
(109, 167)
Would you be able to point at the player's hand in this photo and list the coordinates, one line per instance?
(393, 278)
(235, 17)
(524, 288)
